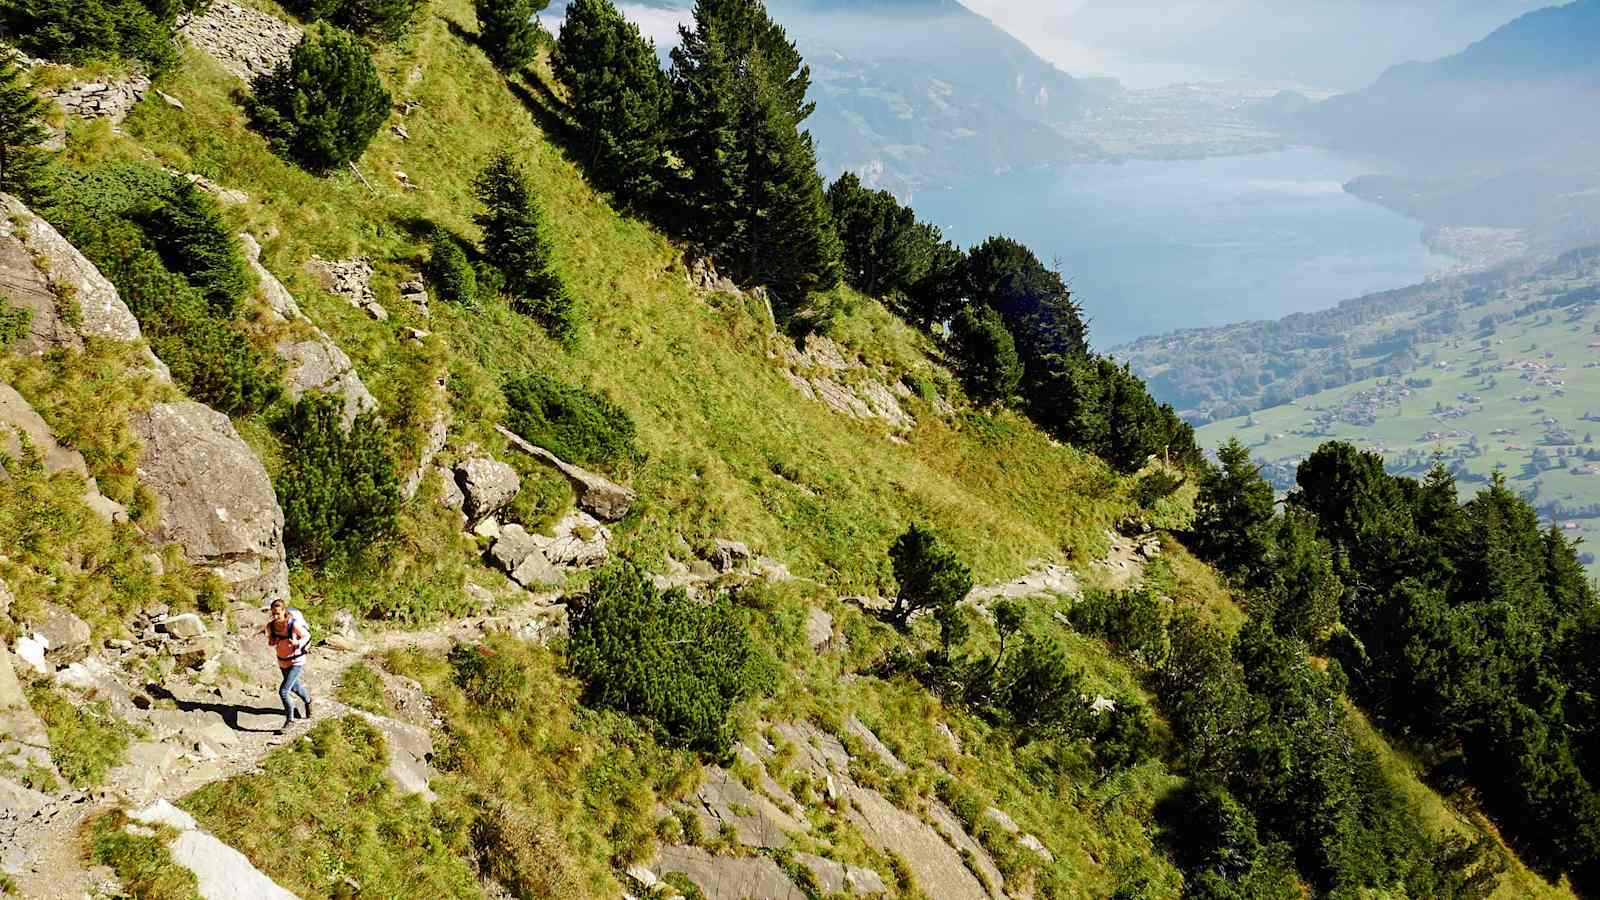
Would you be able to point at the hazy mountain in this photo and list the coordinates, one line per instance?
(1526, 94)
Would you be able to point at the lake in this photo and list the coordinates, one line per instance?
(1155, 246)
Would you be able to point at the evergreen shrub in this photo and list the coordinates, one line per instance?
(338, 488)
(579, 426)
(450, 271)
(679, 663)
(322, 106)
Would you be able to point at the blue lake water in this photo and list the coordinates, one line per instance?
(1154, 246)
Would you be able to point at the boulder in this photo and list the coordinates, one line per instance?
(217, 501)
(727, 555)
(723, 800)
(597, 494)
(450, 496)
(488, 485)
(319, 365)
(183, 625)
(410, 753)
(5, 599)
(518, 554)
(579, 541)
(536, 572)
(66, 636)
(36, 263)
(819, 627)
(433, 441)
(726, 877)
(17, 419)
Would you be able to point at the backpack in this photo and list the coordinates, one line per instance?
(296, 617)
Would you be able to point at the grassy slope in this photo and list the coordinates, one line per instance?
(733, 451)
(1399, 430)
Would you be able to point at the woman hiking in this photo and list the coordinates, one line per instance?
(289, 634)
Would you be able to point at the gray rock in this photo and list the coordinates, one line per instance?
(6, 599)
(579, 541)
(873, 745)
(932, 860)
(512, 547)
(221, 872)
(217, 501)
(1003, 821)
(727, 555)
(756, 821)
(101, 100)
(183, 625)
(838, 878)
(596, 493)
(819, 627)
(66, 634)
(245, 42)
(536, 572)
(35, 263)
(1037, 846)
(410, 754)
(488, 486)
(438, 434)
(728, 878)
(450, 496)
(319, 365)
(23, 739)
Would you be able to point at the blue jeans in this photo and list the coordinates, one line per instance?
(291, 684)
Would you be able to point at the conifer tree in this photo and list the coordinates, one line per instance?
(1233, 514)
(508, 31)
(751, 193)
(619, 95)
(22, 160)
(989, 364)
(929, 574)
(514, 241)
(323, 104)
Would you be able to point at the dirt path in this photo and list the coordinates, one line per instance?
(208, 734)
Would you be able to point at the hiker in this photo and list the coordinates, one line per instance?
(289, 634)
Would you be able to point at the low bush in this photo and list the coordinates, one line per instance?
(577, 425)
(14, 323)
(322, 105)
(83, 30)
(185, 226)
(681, 664)
(450, 271)
(379, 20)
(23, 161)
(338, 487)
(1133, 621)
(487, 678)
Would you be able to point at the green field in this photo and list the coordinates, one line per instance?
(1512, 397)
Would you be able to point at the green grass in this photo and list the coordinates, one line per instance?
(282, 818)
(361, 688)
(142, 862)
(1283, 435)
(86, 739)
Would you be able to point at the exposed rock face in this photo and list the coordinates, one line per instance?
(1049, 579)
(23, 740)
(223, 873)
(819, 628)
(314, 364)
(66, 637)
(410, 750)
(579, 541)
(488, 485)
(319, 365)
(756, 821)
(216, 499)
(41, 272)
(245, 42)
(820, 371)
(101, 99)
(597, 494)
(438, 434)
(518, 554)
(838, 878)
(728, 878)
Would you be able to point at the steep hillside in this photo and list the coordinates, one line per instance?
(506, 704)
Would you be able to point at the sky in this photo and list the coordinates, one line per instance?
(1318, 44)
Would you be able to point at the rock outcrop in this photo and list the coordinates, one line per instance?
(222, 872)
(23, 740)
(518, 554)
(112, 99)
(243, 41)
(488, 485)
(67, 296)
(315, 363)
(596, 493)
(217, 501)
(19, 420)
(820, 371)
(350, 279)
(726, 877)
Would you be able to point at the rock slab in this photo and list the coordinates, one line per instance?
(217, 501)
(596, 493)
(223, 873)
(729, 878)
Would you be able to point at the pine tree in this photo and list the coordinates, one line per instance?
(619, 95)
(322, 105)
(751, 194)
(514, 241)
(22, 160)
(989, 365)
(508, 30)
(886, 250)
(929, 574)
(1233, 514)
